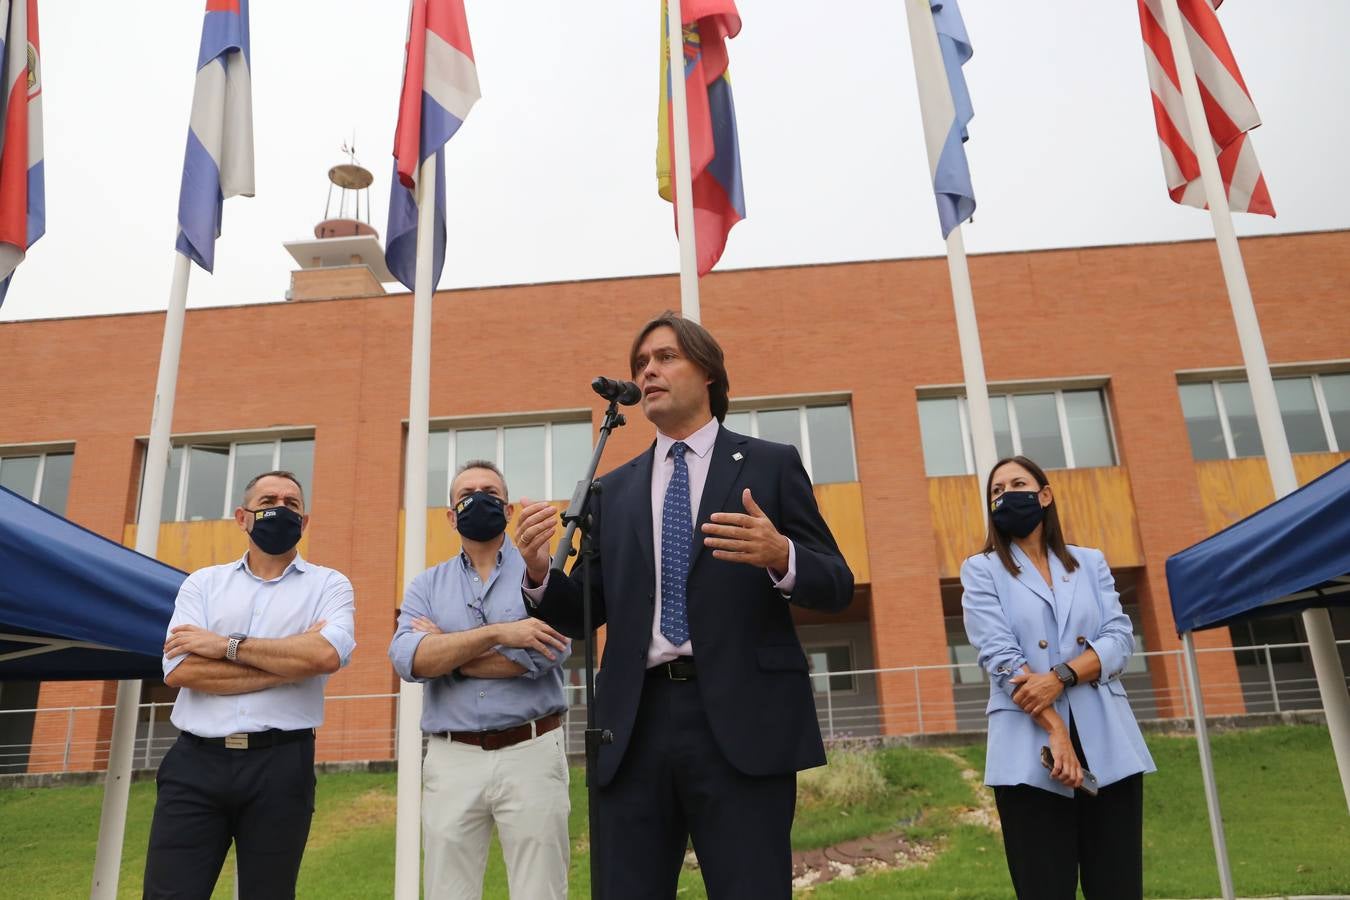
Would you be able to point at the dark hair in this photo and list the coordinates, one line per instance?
(276, 473)
(697, 343)
(1052, 536)
(478, 464)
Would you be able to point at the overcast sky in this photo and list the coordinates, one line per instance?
(552, 176)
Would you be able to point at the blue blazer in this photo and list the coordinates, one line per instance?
(1013, 620)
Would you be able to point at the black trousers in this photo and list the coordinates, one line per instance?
(1051, 841)
(673, 785)
(261, 799)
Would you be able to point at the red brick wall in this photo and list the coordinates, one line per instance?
(1136, 314)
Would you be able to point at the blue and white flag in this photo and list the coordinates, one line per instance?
(946, 109)
(219, 158)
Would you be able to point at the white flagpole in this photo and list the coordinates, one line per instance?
(1317, 623)
(117, 782)
(1207, 768)
(931, 76)
(682, 176)
(407, 856)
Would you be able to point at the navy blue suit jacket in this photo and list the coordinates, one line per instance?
(752, 673)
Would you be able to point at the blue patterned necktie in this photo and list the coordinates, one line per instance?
(677, 534)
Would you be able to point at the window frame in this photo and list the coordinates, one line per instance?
(218, 439)
(1213, 381)
(1008, 392)
(825, 677)
(753, 406)
(500, 424)
(41, 451)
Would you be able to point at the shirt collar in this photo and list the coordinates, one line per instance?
(700, 442)
(298, 564)
(502, 551)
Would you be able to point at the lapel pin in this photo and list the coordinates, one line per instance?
(737, 456)
(1064, 578)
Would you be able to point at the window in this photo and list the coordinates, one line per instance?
(823, 435)
(834, 658)
(541, 461)
(1221, 419)
(41, 477)
(1062, 429)
(206, 480)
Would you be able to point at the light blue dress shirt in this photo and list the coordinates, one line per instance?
(230, 599)
(454, 597)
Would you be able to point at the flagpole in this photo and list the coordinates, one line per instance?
(931, 77)
(117, 781)
(407, 862)
(682, 176)
(1317, 623)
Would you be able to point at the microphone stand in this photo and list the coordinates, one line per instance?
(578, 516)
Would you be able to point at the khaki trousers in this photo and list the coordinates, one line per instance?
(523, 789)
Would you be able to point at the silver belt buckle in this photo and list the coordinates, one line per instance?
(236, 741)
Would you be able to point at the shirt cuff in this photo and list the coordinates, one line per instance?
(520, 657)
(787, 581)
(535, 595)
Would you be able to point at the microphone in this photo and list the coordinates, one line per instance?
(624, 392)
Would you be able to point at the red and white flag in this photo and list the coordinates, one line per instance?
(1228, 108)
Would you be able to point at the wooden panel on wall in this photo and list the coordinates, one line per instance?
(841, 505)
(1232, 489)
(193, 545)
(1096, 507)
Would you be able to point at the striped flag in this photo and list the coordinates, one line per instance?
(218, 162)
(440, 86)
(714, 149)
(1228, 109)
(947, 114)
(23, 205)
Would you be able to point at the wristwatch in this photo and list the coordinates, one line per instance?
(1066, 675)
(232, 646)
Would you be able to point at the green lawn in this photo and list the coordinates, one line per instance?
(1288, 830)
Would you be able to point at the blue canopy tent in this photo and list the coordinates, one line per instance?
(75, 605)
(1291, 556)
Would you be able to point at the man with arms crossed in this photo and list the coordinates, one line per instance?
(704, 683)
(250, 645)
(493, 707)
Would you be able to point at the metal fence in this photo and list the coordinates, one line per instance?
(919, 700)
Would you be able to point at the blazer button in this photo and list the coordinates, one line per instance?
(1081, 639)
(1042, 643)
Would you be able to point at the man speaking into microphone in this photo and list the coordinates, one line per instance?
(702, 543)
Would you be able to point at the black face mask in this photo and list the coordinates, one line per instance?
(276, 530)
(480, 516)
(1017, 512)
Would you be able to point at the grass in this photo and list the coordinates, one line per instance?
(1287, 826)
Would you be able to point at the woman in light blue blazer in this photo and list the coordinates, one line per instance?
(1047, 624)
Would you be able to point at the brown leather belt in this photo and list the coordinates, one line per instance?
(506, 737)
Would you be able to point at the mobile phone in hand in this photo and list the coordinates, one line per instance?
(1089, 785)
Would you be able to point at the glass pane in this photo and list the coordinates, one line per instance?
(1088, 431)
(831, 432)
(781, 425)
(1038, 426)
(965, 656)
(206, 483)
(1237, 403)
(1336, 390)
(168, 511)
(998, 411)
(297, 456)
(738, 422)
(19, 474)
(571, 453)
(1202, 421)
(523, 464)
(940, 429)
(1302, 420)
(56, 482)
(250, 461)
(438, 468)
(480, 443)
